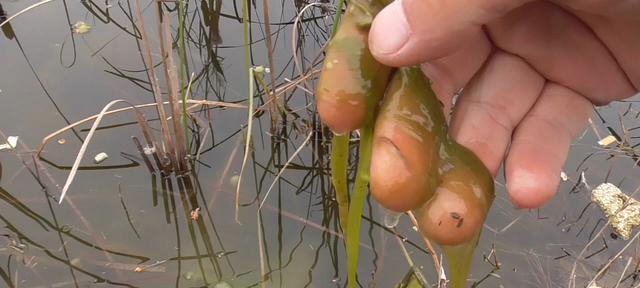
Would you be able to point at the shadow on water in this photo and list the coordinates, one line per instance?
(126, 223)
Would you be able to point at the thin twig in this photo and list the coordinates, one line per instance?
(273, 108)
(434, 255)
(604, 268)
(196, 103)
(410, 261)
(623, 272)
(83, 148)
(24, 11)
(247, 142)
(174, 98)
(155, 87)
(572, 275)
(275, 180)
(294, 47)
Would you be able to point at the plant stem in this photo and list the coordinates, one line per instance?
(182, 54)
(339, 163)
(336, 21)
(357, 201)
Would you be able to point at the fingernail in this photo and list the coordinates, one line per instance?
(390, 30)
(526, 189)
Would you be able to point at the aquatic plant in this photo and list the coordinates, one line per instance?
(444, 183)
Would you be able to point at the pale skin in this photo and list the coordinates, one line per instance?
(531, 72)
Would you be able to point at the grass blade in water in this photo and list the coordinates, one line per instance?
(357, 202)
(339, 163)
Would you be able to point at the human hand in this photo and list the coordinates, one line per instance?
(532, 71)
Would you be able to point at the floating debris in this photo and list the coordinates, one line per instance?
(622, 211)
(81, 27)
(195, 214)
(564, 176)
(100, 157)
(149, 150)
(147, 268)
(188, 275)
(12, 142)
(234, 180)
(221, 284)
(61, 141)
(606, 141)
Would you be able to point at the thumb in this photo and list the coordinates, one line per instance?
(409, 32)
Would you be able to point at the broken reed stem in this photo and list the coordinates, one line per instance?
(434, 255)
(273, 106)
(196, 103)
(83, 148)
(174, 96)
(161, 20)
(155, 87)
(247, 143)
(249, 69)
(182, 54)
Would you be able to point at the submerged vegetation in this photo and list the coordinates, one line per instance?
(221, 174)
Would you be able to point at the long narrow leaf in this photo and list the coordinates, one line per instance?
(357, 202)
(83, 148)
(339, 163)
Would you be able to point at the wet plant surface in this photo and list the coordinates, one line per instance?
(124, 222)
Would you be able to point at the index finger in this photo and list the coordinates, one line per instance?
(409, 32)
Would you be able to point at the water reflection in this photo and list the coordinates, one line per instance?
(126, 224)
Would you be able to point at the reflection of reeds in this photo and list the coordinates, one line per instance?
(280, 164)
(170, 151)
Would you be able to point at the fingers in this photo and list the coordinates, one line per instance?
(408, 32)
(620, 34)
(450, 73)
(541, 143)
(564, 50)
(493, 104)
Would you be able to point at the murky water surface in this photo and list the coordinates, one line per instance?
(121, 225)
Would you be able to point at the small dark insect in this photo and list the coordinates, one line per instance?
(614, 236)
(439, 223)
(455, 215)
(460, 223)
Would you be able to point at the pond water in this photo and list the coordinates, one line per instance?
(119, 218)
